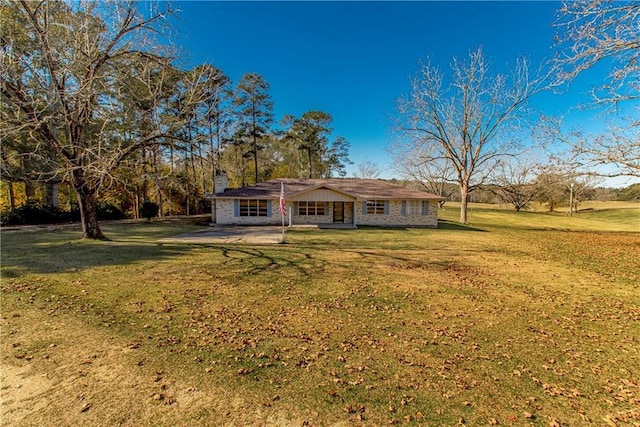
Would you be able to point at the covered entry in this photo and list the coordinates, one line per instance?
(323, 206)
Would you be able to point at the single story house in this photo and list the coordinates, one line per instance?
(340, 202)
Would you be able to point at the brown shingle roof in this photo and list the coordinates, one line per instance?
(365, 189)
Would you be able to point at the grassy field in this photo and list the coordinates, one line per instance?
(516, 319)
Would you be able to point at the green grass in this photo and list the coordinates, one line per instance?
(517, 318)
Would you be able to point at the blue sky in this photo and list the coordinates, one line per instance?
(353, 60)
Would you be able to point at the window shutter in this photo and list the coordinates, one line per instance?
(404, 207)
(236, 207)
(386, 207)
(364, 207)
(425, 207)
(268, 208)
(326, 208)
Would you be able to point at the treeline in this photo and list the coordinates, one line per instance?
(550, 189)
(230, 130)
(94, 108)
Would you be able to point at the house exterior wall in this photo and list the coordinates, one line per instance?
(297, 219)
(327, 218)
(310, 219)
(225, 215)
(395, 217)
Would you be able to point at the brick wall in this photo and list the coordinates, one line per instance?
(395, 218)
(224, 215)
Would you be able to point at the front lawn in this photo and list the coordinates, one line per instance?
(516, 319)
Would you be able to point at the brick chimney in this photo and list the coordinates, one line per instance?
(221, 182)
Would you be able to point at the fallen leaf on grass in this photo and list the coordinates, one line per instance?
(86, 407)
(349, 409)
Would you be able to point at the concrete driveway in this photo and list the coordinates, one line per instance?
(231, 234)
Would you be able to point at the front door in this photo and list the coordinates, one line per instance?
(338, 212)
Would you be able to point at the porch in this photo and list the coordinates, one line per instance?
(332, 214)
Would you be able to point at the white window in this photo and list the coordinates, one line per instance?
(414, 207)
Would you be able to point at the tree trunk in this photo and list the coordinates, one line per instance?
(87, 203)
(255, 158)
(145, 184)
(255, 144)
(138, 202)
(52, 194)
(160, 201)
(464, 193)
(12, 196)
(134, 202)
(29, 190)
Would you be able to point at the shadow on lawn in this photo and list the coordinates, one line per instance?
(259, 260)
(443, 224)
(72, 255)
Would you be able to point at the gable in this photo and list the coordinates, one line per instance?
(322, 194)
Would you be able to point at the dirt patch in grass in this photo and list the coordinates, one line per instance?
(67, 372)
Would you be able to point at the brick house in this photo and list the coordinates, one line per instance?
(327, 202)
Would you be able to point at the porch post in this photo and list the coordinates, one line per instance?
(354, 214)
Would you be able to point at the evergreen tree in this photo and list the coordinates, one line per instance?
(254, 113)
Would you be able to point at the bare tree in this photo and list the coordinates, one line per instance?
(551, 187)
(514, 182)
(560, 184)
(601, 31)
(217, 116)
(582, 188)
(433, 175)
(368, 170)
(615, 152)
(466, 120)
(65, 67)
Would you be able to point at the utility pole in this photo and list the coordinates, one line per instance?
(571, 200)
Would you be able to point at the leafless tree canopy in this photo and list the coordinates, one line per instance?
(514, 181)
(368, 170)
(603, 33)
(595, 31)
(467, 119)
(611, 153)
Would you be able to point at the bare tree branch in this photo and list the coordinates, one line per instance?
(468, 120)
